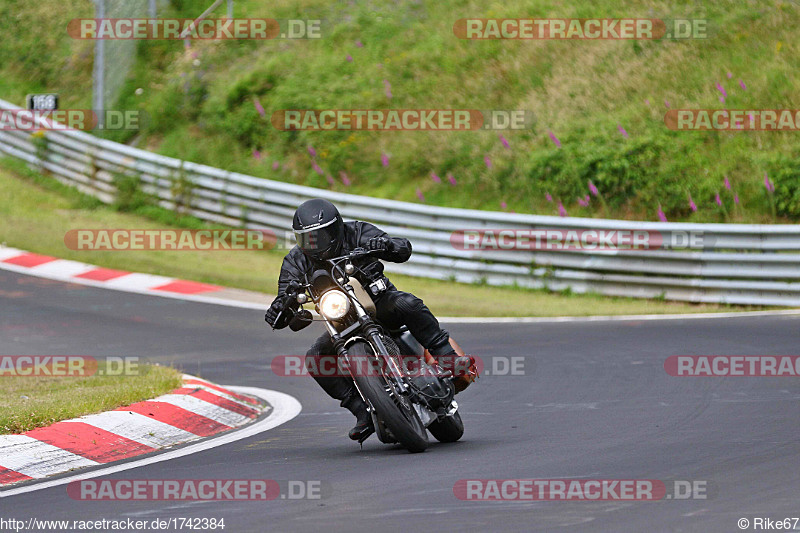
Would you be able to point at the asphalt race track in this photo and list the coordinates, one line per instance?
(594, 402)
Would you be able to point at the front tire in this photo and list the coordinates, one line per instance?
(403, 422)
(448, 430)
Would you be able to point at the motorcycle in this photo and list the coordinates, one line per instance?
(405, 396)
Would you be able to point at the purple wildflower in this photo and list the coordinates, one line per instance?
(593, 189)
(727, 182)
(487, 161)
(561, 211)
(451, 179)
(622, 130)
(385, 160)
(349, 58)
(420, 195)
(554, 139)
(743, 86)
(345, 179)
(718, 199)
(692, 205)
(768, 183)
(661, 216)
(505, 142)
(276, 165)
(435, 178)
(257, 154)
(259, 107)
(312, 151)
(548, 197)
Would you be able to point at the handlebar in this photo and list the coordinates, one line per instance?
(358, 252)
(293, 289)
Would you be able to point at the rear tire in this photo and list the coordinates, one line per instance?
(404, 424)
(448, 430)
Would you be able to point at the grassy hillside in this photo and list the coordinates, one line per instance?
(599, 105)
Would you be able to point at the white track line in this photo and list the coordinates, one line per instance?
(284, 408)
(597, 318)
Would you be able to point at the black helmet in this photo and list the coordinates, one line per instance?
(318, 228)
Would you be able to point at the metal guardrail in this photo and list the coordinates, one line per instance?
(737, 263)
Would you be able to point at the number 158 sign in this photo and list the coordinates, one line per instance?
(42, 102)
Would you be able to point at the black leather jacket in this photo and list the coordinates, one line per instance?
(296, 266)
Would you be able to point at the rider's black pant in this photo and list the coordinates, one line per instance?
(394, 309)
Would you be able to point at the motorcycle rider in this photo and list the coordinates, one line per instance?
(322, 234)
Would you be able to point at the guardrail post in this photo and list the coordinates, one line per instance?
(98, 69)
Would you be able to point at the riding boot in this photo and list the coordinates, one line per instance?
(364, 427)
(462, 366)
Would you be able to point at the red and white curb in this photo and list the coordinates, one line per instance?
(45, 266)
(197, 409)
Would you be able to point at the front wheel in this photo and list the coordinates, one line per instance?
(396, 413)
(448, 430)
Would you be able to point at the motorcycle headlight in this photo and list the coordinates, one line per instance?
(334, 305)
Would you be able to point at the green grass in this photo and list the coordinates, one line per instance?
(30, 402)
(201, 101)
(36, 212)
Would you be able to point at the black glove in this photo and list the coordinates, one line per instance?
(380, 244)
(278, 305)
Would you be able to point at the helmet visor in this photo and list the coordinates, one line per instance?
(318, 240)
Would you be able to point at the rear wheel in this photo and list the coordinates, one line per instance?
(396, 412)
(448, 430)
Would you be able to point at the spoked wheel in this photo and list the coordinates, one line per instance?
(393, 408)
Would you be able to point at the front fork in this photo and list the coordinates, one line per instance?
(371, 332)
